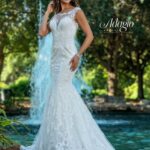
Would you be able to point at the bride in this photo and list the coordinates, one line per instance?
(67, 124)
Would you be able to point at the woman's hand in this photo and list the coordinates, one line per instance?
(74, 62)
(50, 7)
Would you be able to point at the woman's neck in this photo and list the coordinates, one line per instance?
(65, 6)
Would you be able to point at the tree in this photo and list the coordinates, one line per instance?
(18, 31)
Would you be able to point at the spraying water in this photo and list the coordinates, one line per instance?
(41, 76)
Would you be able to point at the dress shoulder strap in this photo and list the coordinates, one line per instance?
(74, 11)
(77, 8)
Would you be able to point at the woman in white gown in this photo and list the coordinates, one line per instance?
(67, 124)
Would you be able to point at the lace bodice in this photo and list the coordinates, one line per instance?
(64, 26)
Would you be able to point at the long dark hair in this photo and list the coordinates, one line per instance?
(57, 4)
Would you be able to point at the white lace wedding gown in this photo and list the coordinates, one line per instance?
(67, 124)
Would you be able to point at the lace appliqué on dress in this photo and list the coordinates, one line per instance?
(70, 13)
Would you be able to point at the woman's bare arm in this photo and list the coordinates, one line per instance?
(44, 28)
(83, 23)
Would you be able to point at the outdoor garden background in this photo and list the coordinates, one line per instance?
(116, 67)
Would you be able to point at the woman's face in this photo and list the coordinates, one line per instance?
(66, 1)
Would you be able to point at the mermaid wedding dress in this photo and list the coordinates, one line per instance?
(67, 124)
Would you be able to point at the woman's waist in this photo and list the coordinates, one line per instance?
(65, 45)
(63, 52)
(63, 42)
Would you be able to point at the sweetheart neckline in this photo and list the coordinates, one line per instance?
(57, 24)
